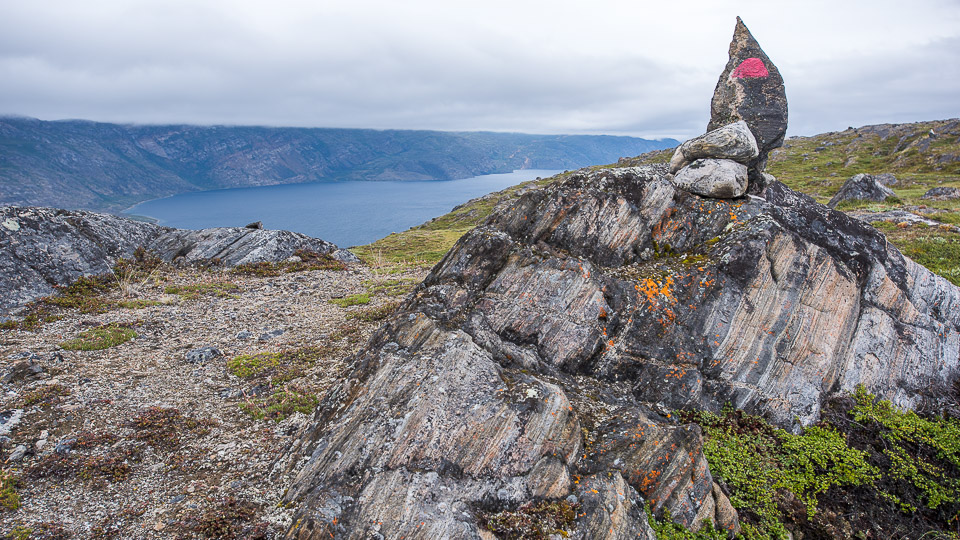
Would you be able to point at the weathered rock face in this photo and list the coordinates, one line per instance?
(719, 178)
(942, 194)
(41, 248)
(734, 142)
(542, 354)
(751, 89)
(861, 187)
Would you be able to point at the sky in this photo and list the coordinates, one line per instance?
(626, 67)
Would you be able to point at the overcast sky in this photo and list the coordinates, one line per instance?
(627, 67)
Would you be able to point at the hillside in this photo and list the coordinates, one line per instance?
(922, 155)
(108, 167)
(184, 443)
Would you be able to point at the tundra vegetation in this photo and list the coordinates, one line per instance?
(866, 470)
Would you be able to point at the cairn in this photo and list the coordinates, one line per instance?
(748, 119)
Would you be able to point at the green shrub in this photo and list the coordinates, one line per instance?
(923, 452)
(762, 465)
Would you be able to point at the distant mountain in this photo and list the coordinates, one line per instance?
(98, 166)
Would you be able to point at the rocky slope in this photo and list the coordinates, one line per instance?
(98, 166)
(541, 356)
(43, 248)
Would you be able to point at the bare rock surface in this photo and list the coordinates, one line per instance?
(751, 89)
(42, 248)
(719, 178)
(942, 194)
(541, 358)
(733, 141)
(861, 187)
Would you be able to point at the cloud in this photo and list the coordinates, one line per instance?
(550, 67)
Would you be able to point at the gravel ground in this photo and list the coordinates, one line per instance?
(137, 440)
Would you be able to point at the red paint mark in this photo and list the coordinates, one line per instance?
(751, 68)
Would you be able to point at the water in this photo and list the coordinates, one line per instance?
(345, 213)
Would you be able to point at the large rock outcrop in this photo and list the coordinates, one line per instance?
(42, 248)
(542, 357)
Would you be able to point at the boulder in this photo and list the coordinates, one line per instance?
(942, 194)
(543, 355)
(42, 248)
(861, 187)
(720, 178)
(733, 141)
(887, 179)
(751, 89)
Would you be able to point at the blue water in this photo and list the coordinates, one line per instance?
(345, 213)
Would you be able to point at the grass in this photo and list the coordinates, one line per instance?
(102, 337)
(352, 300)
(216, 289)
(426, 244)
(939, 251)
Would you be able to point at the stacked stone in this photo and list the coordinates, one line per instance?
(748, 119)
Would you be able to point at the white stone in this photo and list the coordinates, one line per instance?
(719, 178)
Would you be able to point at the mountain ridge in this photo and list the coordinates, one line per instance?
(80, 164)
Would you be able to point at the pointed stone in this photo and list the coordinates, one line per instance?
(751, 89)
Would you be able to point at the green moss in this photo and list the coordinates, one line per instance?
(19, 532)
(9, 498)
(352, 300)
(253, 365)
(99, 338)
(282, 404)
(218, 289)
(375, 313)
(137, 303)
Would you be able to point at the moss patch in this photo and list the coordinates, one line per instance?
(9, 498)
(282, 403)
(352, 300)
(217, 289)
(375, 313)
(102, 337)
